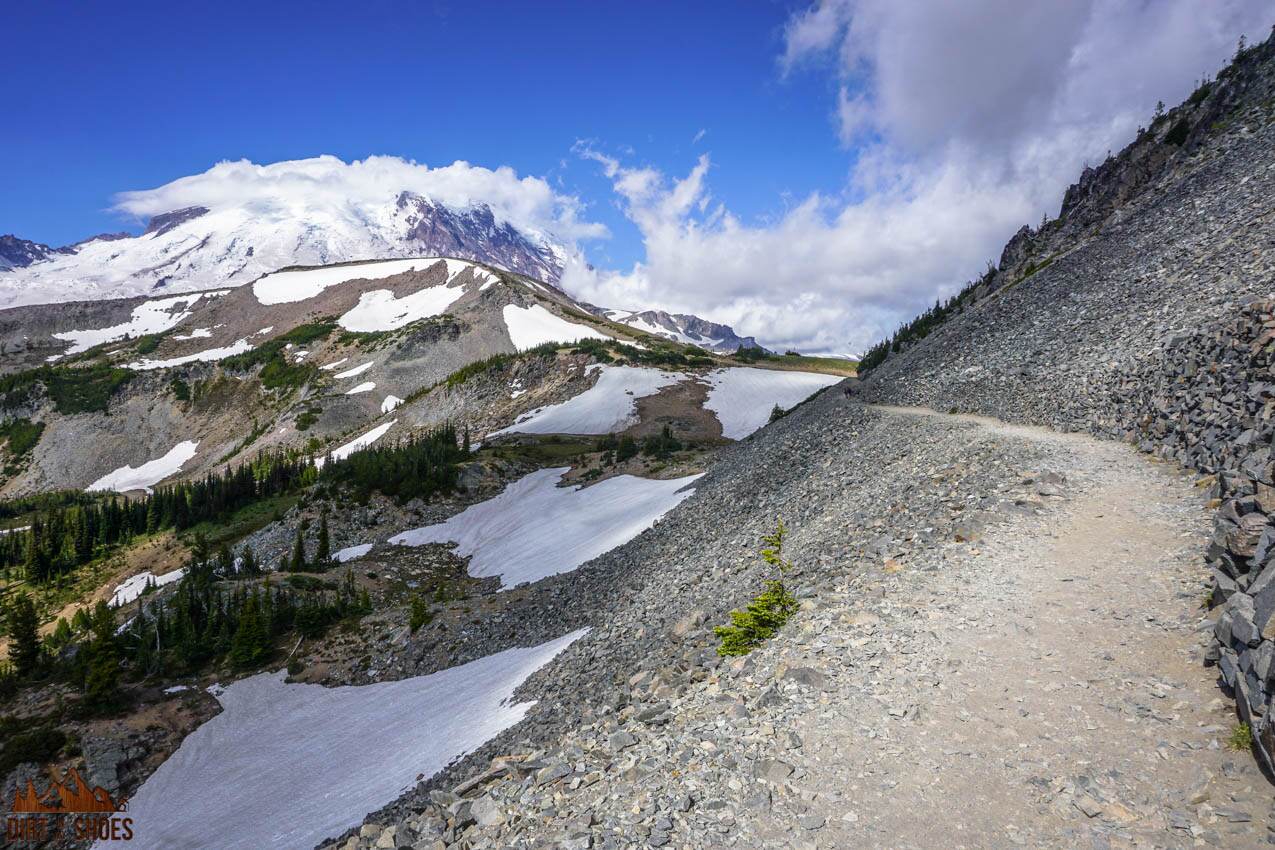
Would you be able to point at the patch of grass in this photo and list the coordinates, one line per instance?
(276, 372)
(542, 451)
(21, 436)
(147, 344)
(244, 521)
(1241, 738)
(72, 390)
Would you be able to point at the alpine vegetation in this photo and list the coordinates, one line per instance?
(769, 610)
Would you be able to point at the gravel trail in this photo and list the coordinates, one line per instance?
(1012, 659)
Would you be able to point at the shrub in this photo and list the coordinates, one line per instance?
(1241, 738)
(147, 344)
(777, 413)
(1177, 133)
(769, 610)
(38, 745)
(22, 435)
(181, 389)
(72, 390)
(626, 448)
(661, 445)
(276, 371)
(420, 614)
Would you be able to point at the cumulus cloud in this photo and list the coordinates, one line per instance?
(966, 120)
(526, 202)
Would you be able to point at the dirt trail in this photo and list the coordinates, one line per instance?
(1053, 694)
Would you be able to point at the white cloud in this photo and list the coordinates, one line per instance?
(967, 120)
(527, 202)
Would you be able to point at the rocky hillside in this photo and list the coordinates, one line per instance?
(1149, 323)
(962, 663)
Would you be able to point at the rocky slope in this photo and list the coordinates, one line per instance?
(1151, 327)
(1139, 316)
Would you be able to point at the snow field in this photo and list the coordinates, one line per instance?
(531, 326)
(536, 529)
(152, 472)
(742, 398)
(287, 765)
(609, 405)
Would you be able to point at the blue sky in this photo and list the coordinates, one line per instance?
(133, 96)
(811, 171)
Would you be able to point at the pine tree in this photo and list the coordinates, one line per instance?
(297, 563)
(323, 554)
(248, 565)
(249, 643)
(23, 632)
(101, 686)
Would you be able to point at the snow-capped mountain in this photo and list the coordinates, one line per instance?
(200, 248)
(18, 253)
(685, 328)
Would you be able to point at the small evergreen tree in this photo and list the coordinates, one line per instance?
(323, 554)
(420, 615)
(297, 563)
(24, 636)
(101, 685)
(777, 413)
(767, 613)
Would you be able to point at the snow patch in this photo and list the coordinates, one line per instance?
(742, 398)
(357, 370)
(535, 528)
(133, 587)
(609, 405)
(357, 443)
(365, 387)
(379, 310)
(150, 317)
(210, 355)
(349, 553)
(531, 326)
(287, 287)
(152, 472)
(335, 363)
(288, 765)
(197, 333)
(391, 402)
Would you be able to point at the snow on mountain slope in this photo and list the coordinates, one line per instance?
(152, 472)
(287, 765)
(235, 240)
(150, 317)
(684, 328)
(535, 528)
(531, 326)
(609, 405)
(743, 398)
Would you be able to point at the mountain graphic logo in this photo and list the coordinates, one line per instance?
(71, 795)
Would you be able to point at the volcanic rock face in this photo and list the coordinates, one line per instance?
(475, 234)
(18, 253)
